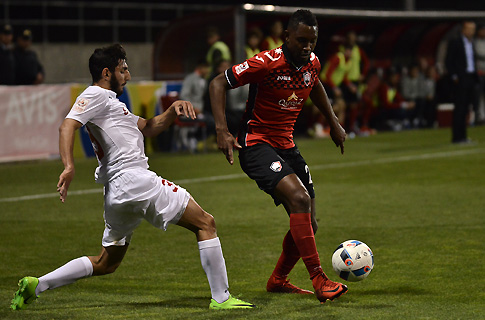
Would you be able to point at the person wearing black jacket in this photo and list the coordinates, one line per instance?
(460, 64)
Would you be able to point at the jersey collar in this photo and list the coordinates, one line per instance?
(290, 61)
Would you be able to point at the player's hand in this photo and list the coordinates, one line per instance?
(226, 142)
(184, 108)
(338, 136)
(64, 181)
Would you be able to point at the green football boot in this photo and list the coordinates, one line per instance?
(231, 303)
(25, 294)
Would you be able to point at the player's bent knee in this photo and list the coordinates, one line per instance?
(209, 223)
(300, 202)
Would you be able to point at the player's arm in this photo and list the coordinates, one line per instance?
(66, 146)
(154, 126)
(320, 99)
(225, 140)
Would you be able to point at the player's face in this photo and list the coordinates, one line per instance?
(119, 78)
(301, 42)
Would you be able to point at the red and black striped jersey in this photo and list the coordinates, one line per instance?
(277, 92)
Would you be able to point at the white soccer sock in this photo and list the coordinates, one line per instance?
(68, 273)
(214, 266)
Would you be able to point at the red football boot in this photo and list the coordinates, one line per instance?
(326, 289)
(284, 286)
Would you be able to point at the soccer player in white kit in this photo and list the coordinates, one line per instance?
(131, 191)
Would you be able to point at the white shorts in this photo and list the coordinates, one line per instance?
(140, 194)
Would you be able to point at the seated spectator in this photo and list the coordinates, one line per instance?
(28, 69)
(429, 93)
(412, 90)
(395, 111)
(193, 90)
(194, 86)
(368, 107)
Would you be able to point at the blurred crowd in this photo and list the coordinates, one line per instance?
(366, 98)
(19, 64)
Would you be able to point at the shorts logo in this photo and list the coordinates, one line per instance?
(276, 166)
(307, 77)
(242, 67)
(80, 105)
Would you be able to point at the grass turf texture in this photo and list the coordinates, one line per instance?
(415, 199)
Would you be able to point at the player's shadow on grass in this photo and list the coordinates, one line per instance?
(192, 303)
(399, 290)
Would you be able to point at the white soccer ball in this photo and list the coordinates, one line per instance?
(353, 260)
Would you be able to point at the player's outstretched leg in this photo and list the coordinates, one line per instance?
(278, 282)
(297, 201)
(25, 294)
(211, 258)
(30, 288)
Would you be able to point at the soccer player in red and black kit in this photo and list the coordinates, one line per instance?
(280, 81)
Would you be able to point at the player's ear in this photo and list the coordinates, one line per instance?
(105, 73)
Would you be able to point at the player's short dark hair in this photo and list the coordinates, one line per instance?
(302, 16)
(107, 57)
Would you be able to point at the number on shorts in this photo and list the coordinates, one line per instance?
(307, 170)
(175, 188)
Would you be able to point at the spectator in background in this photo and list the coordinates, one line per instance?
(394, 109)
(218, 50)
(253, 41)
(334, 77)
(194, 86)
(274, 39)
(412, 90)
(359, 66)
(480, 63)
(193, 90)
(460, 64)
(368, 107)
(7, 60)
(360, 61)
(429, 94)
(28, 69)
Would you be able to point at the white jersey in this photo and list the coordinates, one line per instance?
(113, 130)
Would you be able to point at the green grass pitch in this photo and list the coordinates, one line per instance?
(417, 200)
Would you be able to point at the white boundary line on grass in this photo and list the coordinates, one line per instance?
(423, 156)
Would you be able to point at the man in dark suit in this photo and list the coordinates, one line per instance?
(460, 63)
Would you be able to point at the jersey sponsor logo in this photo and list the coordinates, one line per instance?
(242, 67)
(285, 78)
(292, 102)
(80, 105)
(307, 78)
(125, 110)
(260, 59)
(276, 166)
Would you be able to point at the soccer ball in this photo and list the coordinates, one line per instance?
(353, 260)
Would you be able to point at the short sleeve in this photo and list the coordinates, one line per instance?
(87, 106)
(252, 70)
